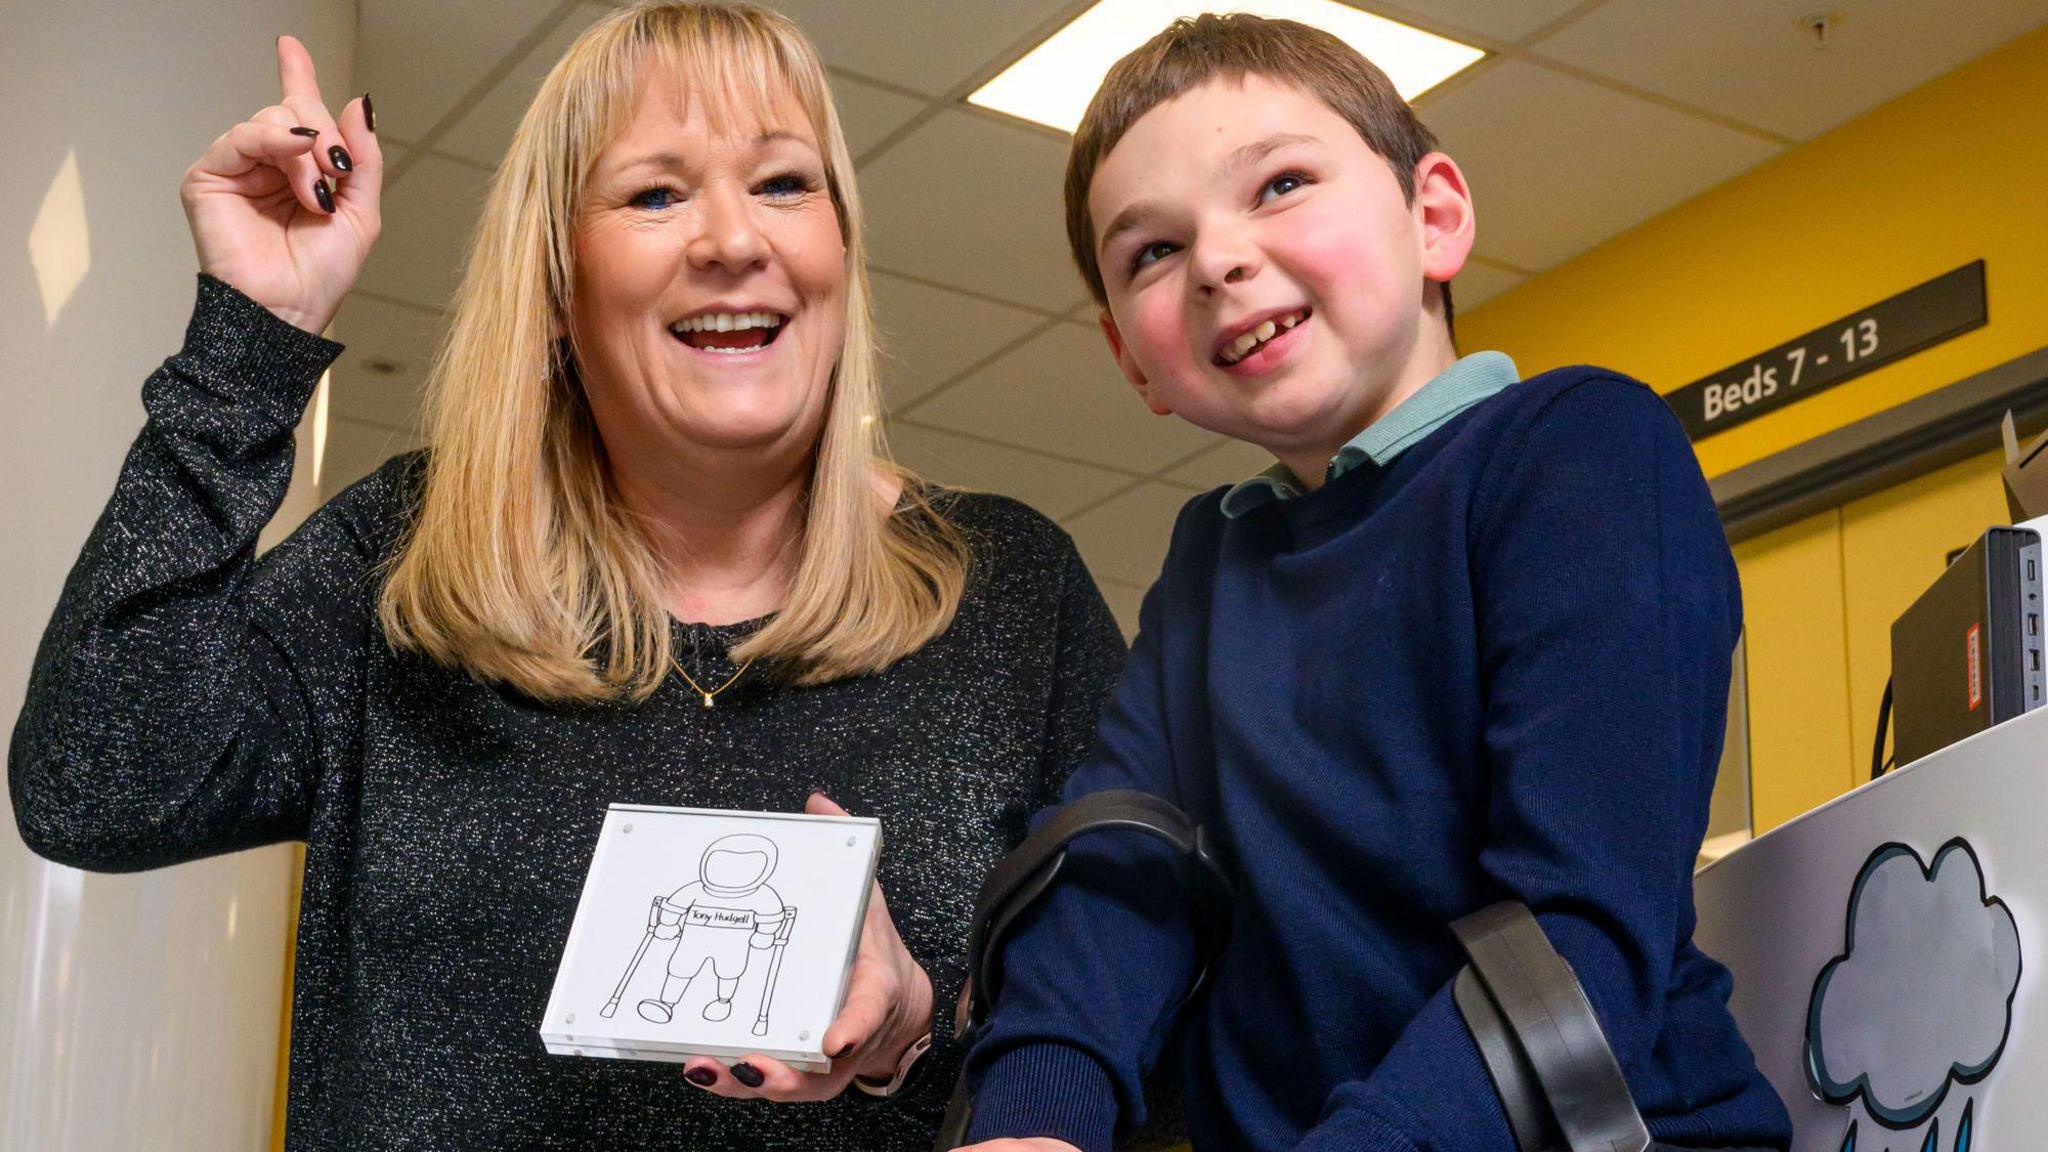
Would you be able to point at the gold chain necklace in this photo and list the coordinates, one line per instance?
(713, 693)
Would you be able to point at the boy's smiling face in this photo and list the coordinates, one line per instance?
(1265, 274)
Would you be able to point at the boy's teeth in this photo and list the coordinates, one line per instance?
(1242, 346)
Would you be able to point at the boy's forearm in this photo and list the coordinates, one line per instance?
(1091, 983)
(1046, 1089)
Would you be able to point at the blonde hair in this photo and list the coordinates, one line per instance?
(522, 566)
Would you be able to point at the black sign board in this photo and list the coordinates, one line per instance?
(1920, 317)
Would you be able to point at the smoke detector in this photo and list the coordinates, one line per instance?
(1819, 29)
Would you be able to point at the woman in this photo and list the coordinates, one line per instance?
(654, 555)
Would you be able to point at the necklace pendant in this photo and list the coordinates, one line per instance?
(707, 699)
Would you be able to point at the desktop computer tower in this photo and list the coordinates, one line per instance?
(1968, 653)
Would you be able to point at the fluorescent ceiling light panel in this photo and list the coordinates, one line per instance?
(1053, 83)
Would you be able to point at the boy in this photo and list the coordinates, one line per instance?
(1467, 641)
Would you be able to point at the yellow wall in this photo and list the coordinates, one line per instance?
(1796, 650)
(1948, 173)
(1954, 171)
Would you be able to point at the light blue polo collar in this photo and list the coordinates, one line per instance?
(1466, 382)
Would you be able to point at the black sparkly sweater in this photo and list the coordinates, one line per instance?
(192, 698)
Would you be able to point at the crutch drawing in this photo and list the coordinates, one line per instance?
(611, 1006)
(774, 969)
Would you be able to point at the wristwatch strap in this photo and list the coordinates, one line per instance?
(894, 1084)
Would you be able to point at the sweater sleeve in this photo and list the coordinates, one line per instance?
(1094, 972)
(1087, 654)
(174, 706)
(1607, 611)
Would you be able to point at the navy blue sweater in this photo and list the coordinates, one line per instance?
(1495, 668)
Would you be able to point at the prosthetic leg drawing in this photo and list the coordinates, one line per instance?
(774, 970)
(611, 1006)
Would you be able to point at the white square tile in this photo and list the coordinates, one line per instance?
(1227, 463)
(1479, 283)
(1125, 601)
(429, 216)
(355, 449)
(974, 201)
(486, 129)
(1062, 394)
(418, 60)
(868, 113)
(380, 377)
(1557, 164)
(1126, 539)
(929, 45)
(1054, 487)
(931, 335)
(1503, 21)
(1764, 69)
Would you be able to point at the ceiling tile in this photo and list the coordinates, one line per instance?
(1765, 69)
(486, 129)
(1479, 283)
(390, 347)
(1126, 538)
(1054, 487)
(1507, 21)
(1061, 394)
(1124, 602)
(420, 59)
(931, 335)
(929, 45)
(355, 449)
(1227, 463)
(974, 201)
(1558, 164)
(428, 217)
(868, 113)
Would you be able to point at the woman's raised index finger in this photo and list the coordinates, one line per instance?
(295, 70)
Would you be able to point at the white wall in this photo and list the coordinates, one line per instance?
(135, 1011)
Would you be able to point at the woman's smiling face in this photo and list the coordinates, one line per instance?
(709, 305)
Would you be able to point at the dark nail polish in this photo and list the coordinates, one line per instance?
(302, 131)
(341, 159)
(746, 1074)
(325, 197)
(369, 112)
(701, 1077)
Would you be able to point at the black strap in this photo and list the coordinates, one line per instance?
(1560, 1056)
(1021, 877)
(1521, 1097)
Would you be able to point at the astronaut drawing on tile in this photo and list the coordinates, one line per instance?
(724, 919)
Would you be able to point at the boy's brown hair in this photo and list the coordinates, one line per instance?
(1196, 49)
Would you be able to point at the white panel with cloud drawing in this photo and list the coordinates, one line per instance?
(1885, 949)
